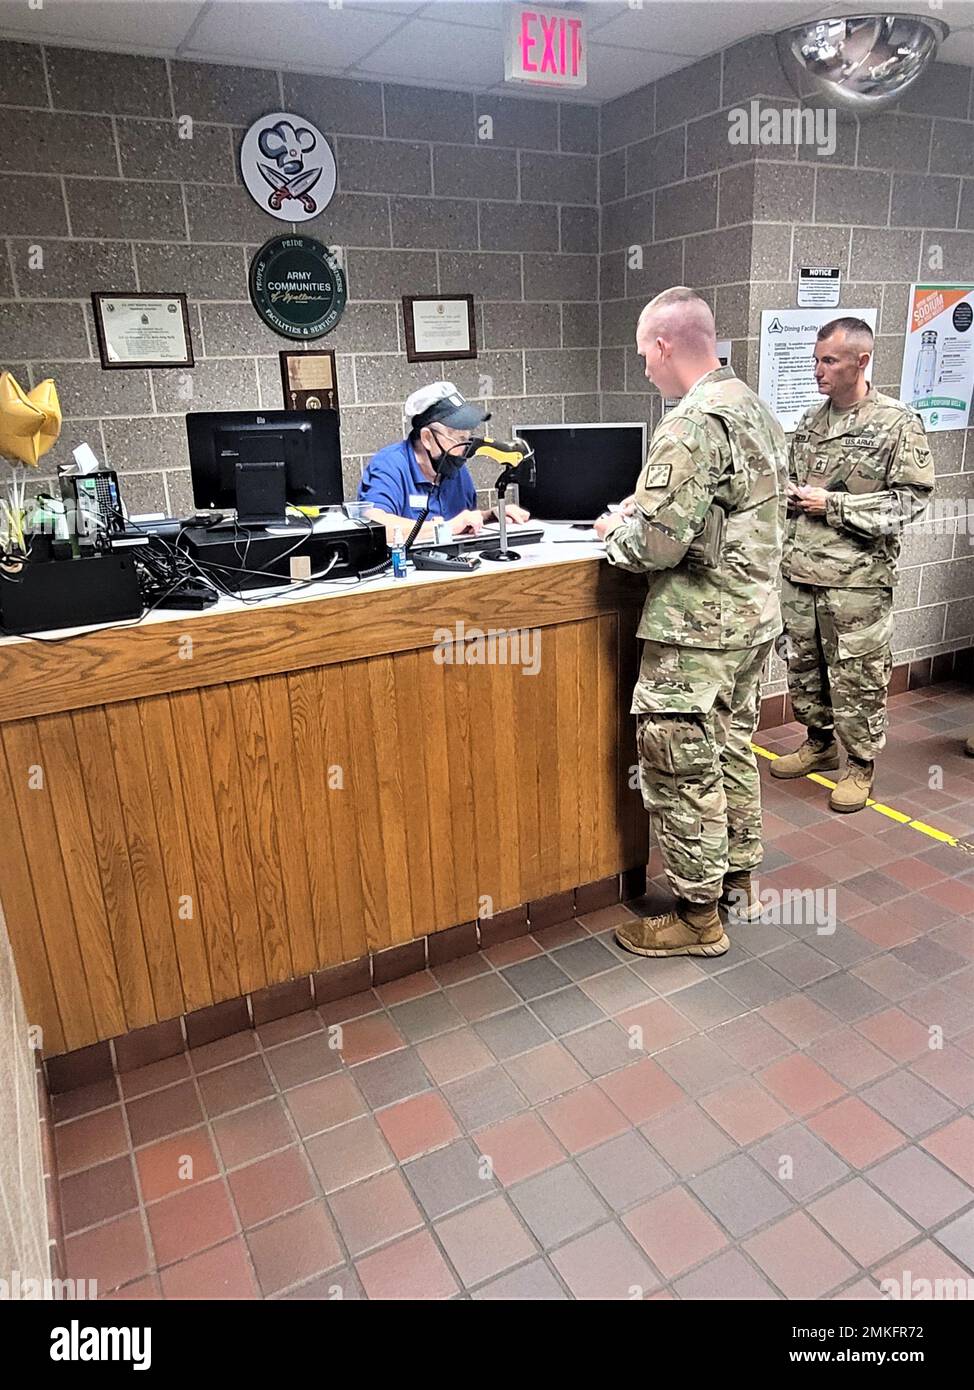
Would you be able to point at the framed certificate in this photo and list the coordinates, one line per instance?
(439, 328)
(142, 330)
(309, 380)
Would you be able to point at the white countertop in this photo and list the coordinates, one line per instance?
(555, 549)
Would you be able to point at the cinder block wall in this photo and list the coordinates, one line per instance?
(96, 175)
(710, 214)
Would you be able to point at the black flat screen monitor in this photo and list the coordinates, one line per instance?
(259, 461)
(580, 469)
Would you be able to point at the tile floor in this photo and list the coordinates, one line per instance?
(557, 1119)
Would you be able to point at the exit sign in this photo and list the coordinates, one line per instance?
(545, 48)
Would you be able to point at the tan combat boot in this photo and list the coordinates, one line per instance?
(693, 929)
(740, 897)
(969, 745)
(853, 788)
(810, 757)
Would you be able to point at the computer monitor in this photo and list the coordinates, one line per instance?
(258, 461)
(580, 469)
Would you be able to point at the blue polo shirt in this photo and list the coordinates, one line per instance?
(393, 481)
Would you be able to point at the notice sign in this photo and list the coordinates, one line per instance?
(938, 360)
(545, 48)
(819, 286)
(786, 371)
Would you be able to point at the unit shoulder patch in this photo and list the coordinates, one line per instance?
(656, 474)
(921, 456)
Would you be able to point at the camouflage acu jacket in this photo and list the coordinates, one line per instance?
(719, 448)
(879, 473)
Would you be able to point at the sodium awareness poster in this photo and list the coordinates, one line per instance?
(938, 359)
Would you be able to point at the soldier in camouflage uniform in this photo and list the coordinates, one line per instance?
(706, 524)
(860, 470)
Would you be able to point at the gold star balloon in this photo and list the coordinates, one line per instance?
(30, 421)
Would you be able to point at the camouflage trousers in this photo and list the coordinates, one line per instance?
(696, 713)
(836, 644)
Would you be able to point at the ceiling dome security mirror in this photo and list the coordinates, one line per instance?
(861, 63)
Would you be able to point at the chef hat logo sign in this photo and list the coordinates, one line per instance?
(287, 166)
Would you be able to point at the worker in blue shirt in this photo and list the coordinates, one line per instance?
(399, 478)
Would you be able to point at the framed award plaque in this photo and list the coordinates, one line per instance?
(142, 330)
(309, 380)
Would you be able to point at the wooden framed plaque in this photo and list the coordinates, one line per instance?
(309, 380)
(439, 328)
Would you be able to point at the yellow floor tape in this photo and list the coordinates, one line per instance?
(889, 811)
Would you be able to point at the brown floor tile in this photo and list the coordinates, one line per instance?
(364, 1039)
(510, 952)
(248, 1134)
(954, 1146)
(292, 1248)
(271, 1186)
(68, 1105)
(923, 1261)
(171, 1165)
(479, 998)
(850, 1058)
(230, 1088)
(375, 1211)
(355, 1006)
(862, 1222)
(148, 1288)
(605, 1264)
(547, 1071)
(349, 1153)
(583, 1118)
(290, 1028)
(897, 1034)
(223, 1051)
(305, 1059)
(112, 1254)
(799, 1258)
(745, 1110)
(162, 1113)
(518, 1148)
(95, 1194)
(156, 1074)
(409, 987)
(453, 1055)
(688, 1140)
(412, 1268)
(224, 1272)
(660, 1024)
(90, 1139)
(856, 1132)
(189, 1222)
(417, 1125)
(675, 1231)
(642, 1091)
(483, 1240)
(324, 1103)
(801, 1084)
(951, 1071)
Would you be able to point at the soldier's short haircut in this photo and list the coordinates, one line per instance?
(857, 331)
(684, 315)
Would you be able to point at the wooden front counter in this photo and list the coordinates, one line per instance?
(205, 805)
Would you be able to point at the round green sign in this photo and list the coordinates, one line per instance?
(297, 286)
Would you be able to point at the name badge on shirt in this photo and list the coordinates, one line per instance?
(418, 500)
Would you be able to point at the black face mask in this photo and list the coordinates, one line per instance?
(448, 462)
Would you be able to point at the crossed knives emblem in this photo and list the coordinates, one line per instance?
(298, 187)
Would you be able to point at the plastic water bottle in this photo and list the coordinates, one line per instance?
(398, 555)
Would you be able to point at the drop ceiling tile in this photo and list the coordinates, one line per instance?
(306, 35)
(453, 53)
(614, 71)
(154, 28)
